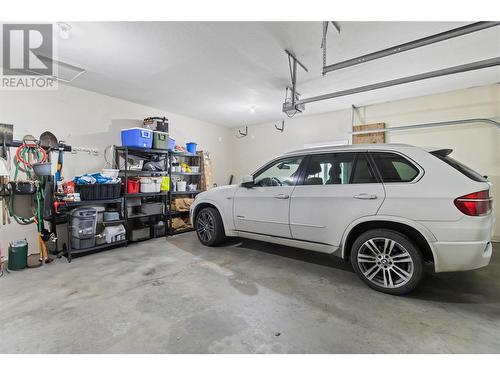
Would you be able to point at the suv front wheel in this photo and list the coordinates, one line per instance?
(209, 227)
(387, 261)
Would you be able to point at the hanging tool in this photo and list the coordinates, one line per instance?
(48, 141)
(58, 176)
(27, 154)
(4, 179)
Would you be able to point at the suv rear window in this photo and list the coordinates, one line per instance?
(394, 168)
(465, 170)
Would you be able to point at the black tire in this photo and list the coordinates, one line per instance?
(205, 219)
(401, 271)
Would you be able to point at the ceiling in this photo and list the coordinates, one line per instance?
(217, 71)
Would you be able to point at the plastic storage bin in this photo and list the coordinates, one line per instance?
(133, 186)
(191, 147)
(111, 216)
(171, 143)
(95, 192)
(137, 137)
(155, 208)
(140, 234)
(150, 185)
(115, 233)
(83, 227)
(160, 140)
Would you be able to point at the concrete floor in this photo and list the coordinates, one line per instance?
(176, 296)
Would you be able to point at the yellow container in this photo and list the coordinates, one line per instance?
(165, 184)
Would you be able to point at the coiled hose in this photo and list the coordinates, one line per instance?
(26, 156)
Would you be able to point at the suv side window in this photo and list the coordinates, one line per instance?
(394, 168)
(363, 172)
(329, 169)
(283, 172)
(339, 169)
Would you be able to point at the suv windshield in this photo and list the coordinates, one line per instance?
(473, 175)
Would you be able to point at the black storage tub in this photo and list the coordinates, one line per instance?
(94, 192)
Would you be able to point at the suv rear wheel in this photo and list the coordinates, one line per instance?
(387, 261)
(209, 227)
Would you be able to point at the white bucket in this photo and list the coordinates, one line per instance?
(181, 185)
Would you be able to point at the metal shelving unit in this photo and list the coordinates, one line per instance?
(126, 173)
(192, 159)
(167, 197)
(68, 251)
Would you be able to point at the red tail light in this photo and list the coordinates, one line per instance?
(475, 204)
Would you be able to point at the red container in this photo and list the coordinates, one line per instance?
(133, 186)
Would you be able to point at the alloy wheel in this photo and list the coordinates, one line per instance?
(385, 262)
(205, 226)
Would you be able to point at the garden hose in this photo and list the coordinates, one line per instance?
(26, 156)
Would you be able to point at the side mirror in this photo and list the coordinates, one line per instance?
(247, 181)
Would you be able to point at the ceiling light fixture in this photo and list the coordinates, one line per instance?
(64, 29)
(252, 109)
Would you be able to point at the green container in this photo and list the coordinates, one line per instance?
(18, 255)
(160, 140)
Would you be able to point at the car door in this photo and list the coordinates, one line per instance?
(264, 208)
(337, 189)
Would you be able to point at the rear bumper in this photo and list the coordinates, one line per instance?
(461, 256)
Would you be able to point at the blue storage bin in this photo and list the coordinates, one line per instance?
(137, 137)
(171, 143)
(191, 147)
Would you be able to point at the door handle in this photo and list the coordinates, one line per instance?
(281, 196)
(365, 196)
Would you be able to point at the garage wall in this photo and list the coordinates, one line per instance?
(87, 119)
(477, 146)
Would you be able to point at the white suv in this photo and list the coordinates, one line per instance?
(387, 208)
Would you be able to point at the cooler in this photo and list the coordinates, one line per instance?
(137, 137)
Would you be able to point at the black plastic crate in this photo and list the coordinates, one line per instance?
(93, 192)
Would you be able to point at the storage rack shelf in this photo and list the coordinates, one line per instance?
(135, 173)
(97, 248)
(68, 250)
(191, 159)
(186, 174)
(185, 192)
(136, 216)
(146, 194)
(133, 221)
(167, 198)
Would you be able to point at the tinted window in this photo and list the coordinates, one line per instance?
(473, 175)
(363, 173)
(394, 167)
(329, 169)
(338, 169)
(281, 173)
